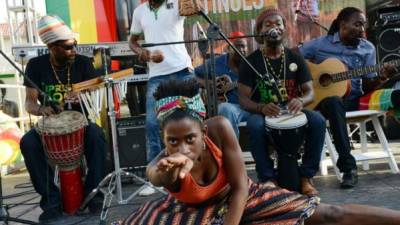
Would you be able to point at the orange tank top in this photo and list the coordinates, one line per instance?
(193, 193)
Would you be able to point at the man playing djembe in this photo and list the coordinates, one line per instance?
(55, 73)
(260, 98)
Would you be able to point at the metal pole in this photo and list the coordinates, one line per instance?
(10, 22)
(111, 113)
(211, 91)
(28, 11)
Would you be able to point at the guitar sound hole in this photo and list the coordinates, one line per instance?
(325, 80)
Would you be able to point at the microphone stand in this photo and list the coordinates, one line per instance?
(203, 47)
(145, 45)
(212, 103)
(42, 93)
(312, 20)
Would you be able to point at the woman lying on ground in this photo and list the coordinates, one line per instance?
(203, 170)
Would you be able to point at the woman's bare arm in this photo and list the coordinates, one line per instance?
(222, 133)
(165, 171)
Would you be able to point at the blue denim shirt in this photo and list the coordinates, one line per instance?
(221, 68)
(319, 49)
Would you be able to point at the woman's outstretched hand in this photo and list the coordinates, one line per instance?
(176, 161)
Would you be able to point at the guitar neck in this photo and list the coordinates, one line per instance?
(337, 77)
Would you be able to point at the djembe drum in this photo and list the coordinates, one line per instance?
(63, 140)
(287, 133)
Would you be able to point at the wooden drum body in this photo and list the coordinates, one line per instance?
(63, 141)
(287, 132)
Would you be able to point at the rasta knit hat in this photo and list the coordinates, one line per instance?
(52, 28)
(264, 14)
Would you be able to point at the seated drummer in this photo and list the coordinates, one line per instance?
(54, 73)
(258, 98)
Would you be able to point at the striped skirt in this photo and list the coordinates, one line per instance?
(266, 204)
(379, 100)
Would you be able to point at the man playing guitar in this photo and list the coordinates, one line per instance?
(226, 70)
(345, 41)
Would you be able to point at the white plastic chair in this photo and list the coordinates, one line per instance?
(360, 118)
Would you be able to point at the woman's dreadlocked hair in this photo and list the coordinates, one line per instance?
(174, 87)
(344, 15)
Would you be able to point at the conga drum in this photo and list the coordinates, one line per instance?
(63, 141)
(287, 134)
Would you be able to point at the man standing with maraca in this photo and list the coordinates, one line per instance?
(159, 21)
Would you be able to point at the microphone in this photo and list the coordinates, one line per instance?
(296, 12)
(200, 32)
(202, 36)
(273, 33)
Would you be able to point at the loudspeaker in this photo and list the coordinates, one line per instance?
(387, 33)
(132, 141)
(136, 92)
(136, 97)
(388, 43)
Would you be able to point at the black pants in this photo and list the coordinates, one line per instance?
(334, 110)
(42, 174)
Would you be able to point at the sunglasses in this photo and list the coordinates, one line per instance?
(69, 47)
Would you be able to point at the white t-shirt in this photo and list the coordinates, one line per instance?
(163, 24)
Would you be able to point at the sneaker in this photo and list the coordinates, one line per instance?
(147, 191)
(50, 215)
(349, 180)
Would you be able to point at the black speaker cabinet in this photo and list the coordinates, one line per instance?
(132, 141)
(384, 32)
(388, 43)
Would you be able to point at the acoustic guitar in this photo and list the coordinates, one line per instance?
(332, 78)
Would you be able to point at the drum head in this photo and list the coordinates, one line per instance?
(62, 123)
(286, 121)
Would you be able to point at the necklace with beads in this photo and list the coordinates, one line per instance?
(277, 76)
(69, 86)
